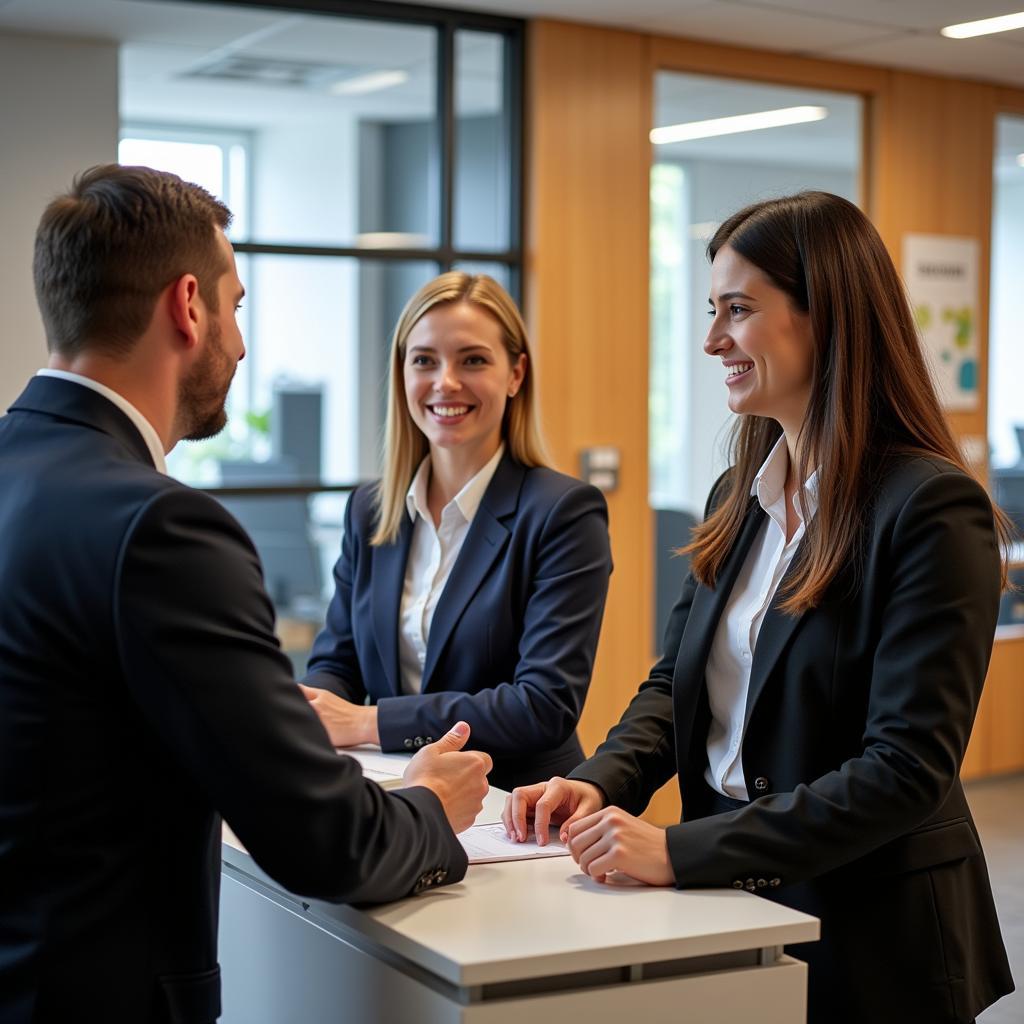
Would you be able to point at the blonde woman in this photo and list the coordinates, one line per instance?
(472, 577)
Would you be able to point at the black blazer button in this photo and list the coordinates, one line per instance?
(408, 743)
(418, 742)
(761, 883)
(761, 784)
(737, 884)
(775, 883)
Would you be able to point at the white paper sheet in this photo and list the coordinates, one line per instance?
(383, 769)
(488, 844)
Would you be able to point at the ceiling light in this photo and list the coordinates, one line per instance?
(738, 123)
(967, 29)
(373, 82)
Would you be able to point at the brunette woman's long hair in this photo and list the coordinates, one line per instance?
(872, 396)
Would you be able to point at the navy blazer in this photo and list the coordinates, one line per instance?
(857, 718)
(512, 642)
(142, 691)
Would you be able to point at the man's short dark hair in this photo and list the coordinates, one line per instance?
(106, 250)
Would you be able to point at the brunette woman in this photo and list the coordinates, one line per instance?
(824, 662)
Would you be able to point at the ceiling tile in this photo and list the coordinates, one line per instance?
(986, 58)
(917, 14)
(755, 26)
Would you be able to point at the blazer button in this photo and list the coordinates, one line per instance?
(737, 884)
(761, 883)
(418, 742)
(429, 739)
(760, 784)
(775, 883)
(408, 743)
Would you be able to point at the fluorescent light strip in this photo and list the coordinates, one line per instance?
(738, 123)
(968, 29)
(372, 82)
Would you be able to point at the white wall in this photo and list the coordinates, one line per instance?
(58, 116)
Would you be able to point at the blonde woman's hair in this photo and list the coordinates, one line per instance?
(405, 445)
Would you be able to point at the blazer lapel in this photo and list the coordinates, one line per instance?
(775, 632)
(706, 610)
(386, 583)
(484, 542)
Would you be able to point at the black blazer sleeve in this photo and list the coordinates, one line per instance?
(334, 661)
(540, 706)
(199, 656)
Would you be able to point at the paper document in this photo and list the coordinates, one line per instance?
(385, 770)
(488, 844)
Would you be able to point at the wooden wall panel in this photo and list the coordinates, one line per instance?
(587, 299)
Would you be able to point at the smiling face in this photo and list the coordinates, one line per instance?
(765, 342)
(459, 377)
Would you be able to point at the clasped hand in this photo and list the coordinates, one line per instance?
(602, 840)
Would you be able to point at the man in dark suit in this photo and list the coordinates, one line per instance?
(142, 690)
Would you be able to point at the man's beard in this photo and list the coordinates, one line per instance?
(201, 395)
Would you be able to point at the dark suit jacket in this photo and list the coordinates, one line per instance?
(142, 691)
(857, 719)
(512, 642)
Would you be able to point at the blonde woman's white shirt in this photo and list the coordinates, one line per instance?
(732, 650)
(432, 555)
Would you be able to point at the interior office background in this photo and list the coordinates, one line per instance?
(610, 268)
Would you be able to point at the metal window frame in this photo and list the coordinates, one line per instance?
(446, 21)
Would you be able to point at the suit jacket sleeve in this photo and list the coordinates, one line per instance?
(936, 630)
(539, 708)
(334, 662)
(197, 647)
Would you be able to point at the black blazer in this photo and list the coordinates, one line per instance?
(142, 691)
(857, 719)
(512, 642)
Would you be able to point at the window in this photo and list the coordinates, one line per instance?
(361, 156)
(1006, 345)
(696, 182)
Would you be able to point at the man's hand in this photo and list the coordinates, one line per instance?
(612, 840)
(347, 724)
(557, 801)
(458, 777)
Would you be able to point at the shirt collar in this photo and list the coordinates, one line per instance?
(144, 427)
(467, 500)
(770, 481)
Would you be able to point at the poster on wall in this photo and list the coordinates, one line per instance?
(941, 272)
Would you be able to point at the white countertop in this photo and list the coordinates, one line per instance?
(530, 918)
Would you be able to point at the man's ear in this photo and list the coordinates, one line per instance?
(185, 308)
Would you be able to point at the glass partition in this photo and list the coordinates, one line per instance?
(719, 144)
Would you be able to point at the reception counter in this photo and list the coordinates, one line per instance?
(525, 940)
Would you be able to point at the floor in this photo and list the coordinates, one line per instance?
(998, 808)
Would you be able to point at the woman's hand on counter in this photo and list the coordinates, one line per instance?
(614, 841)
(347, 724)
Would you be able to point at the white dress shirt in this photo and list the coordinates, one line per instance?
(144, 427)
(732, 650)
(432, 555)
